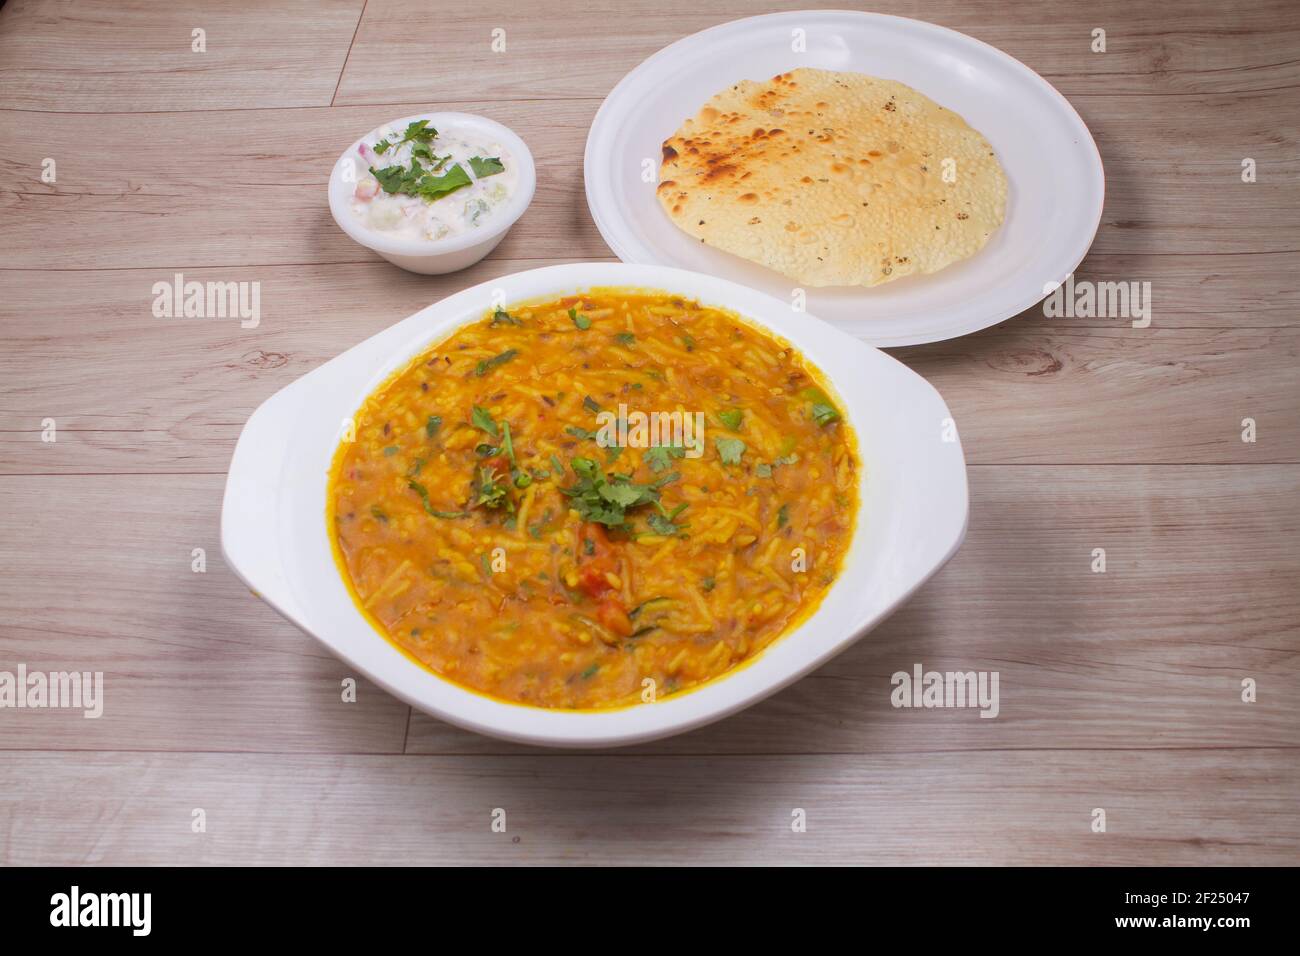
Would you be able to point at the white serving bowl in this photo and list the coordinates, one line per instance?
(912, 498)
(435, 256)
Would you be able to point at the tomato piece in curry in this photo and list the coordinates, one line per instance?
(502, 518)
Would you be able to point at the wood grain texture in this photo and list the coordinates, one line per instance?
(260, 197)
(1218, 807)
(133, 56)
(1183, 48)
(258, 200)
(1086, 660)
(1020, 393)
(112, 589)
(1119, 690)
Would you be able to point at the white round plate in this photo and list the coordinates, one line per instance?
(1052, 165)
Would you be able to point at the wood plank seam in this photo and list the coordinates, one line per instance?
(343, 69)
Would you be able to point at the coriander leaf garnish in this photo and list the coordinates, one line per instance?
(535, 530)
(487, 365)
(435, 187)
(624, 494)
(418, 132)
(581, 321)
(590, 405)
(417, 181)
(518, 476)
(730, 450)
(486, 167)
(421, 151)
(661, 525)
(605, 499)
(423, 492)
(482, 419)
(625, 338)
(765, 470)
(731, 419)
(783, 516)
(507, 445)
(490, 493)
(665, 521)
(432, 425)
(502, 317)
(659, 457)
(649, 603)
(391, 178)
(824, 414)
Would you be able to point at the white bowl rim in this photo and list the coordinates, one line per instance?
(505, 217)
(252, 532)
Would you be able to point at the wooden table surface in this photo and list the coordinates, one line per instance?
(1119, 690)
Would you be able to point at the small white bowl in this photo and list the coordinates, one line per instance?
(435, 256)
(912, 514)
